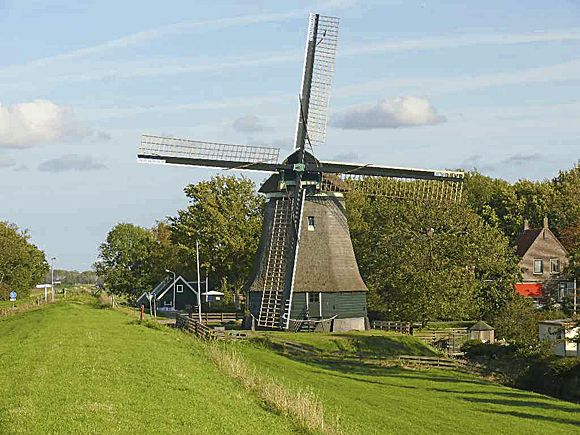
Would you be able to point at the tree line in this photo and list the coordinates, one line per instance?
(22, 264)
(224, 215)
(421, 261)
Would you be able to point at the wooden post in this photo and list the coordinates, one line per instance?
(141, 312)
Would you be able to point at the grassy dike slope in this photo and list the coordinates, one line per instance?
(377, 400)
(72, 368)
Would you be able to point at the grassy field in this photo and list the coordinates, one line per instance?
(374, 343)
(72, 368)
(75, 368)
(374, 400)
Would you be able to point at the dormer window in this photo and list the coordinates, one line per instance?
(554, 265)
(538, 267)
(311, 225)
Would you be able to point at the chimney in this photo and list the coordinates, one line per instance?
(545, 222)
(526, 225)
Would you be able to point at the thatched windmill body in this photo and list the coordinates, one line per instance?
(305, 270)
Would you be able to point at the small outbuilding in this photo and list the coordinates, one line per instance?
(562, 333)
(212, 296)
(481, 331)
(171, 295)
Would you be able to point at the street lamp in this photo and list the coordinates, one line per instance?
(52, 278)
(198, 283)
(170, 271)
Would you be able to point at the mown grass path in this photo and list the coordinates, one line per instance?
(72, 368)
(376, 400)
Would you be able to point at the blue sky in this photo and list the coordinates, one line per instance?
(493, 85)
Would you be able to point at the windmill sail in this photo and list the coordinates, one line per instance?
(402, 183)
(321, 44)
(170, 150)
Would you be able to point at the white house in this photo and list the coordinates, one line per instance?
(562, 333)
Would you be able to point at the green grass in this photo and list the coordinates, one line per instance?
(374, 343)
(379, 400)
(74, 368)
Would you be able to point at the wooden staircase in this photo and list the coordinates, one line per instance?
(276, 267)
(277, 294)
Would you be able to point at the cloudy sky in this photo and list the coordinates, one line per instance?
(493, 85)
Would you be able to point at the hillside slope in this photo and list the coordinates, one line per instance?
(378, 400)
(72, 368)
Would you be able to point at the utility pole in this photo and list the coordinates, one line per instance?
(52, 278)
(575, 296)
(198, 283)
(174, 277)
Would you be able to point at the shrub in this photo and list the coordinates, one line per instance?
(477, 349)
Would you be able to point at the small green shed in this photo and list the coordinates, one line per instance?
(481, 331)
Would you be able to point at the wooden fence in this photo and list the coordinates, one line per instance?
(428, 362)
(402, 327)
(201, 330)
(9, 310)
(449, 340)
(219, 317)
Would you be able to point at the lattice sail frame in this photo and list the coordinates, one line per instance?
(322, 73)
(398, 188)
(152, 146)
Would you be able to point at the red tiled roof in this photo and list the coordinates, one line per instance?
(529, 289)
(525, 240)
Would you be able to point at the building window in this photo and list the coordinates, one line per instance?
(554, 265)
(167, 303)
(562, 290)
(310, 223)
(538, 267)
(313, 298)
(179, 288)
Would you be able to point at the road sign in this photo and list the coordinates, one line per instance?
(13, 295)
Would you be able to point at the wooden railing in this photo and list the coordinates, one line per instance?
(449, 340)
(428, 362)
(192, 325)
(402, 327)
(9, 310)
(218, 317)
(201, 330)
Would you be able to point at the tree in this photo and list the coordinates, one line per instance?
(517, 322)
(225, 216)
(567, 216)
(125, 263)
(22, 264)
(168, 255)
(425, 261)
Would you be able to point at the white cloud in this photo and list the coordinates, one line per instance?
(76, 71)
(398, 112)
(174, 30)
(6, 162)
(249, 124)
(465, 40)
(560, 72)
(27, 124)
(71, 162)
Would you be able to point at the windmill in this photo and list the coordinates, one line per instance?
(305, 269)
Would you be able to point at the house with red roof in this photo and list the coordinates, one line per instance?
(542, 260)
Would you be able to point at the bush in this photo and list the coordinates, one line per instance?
(477, 349)
(558, 377)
